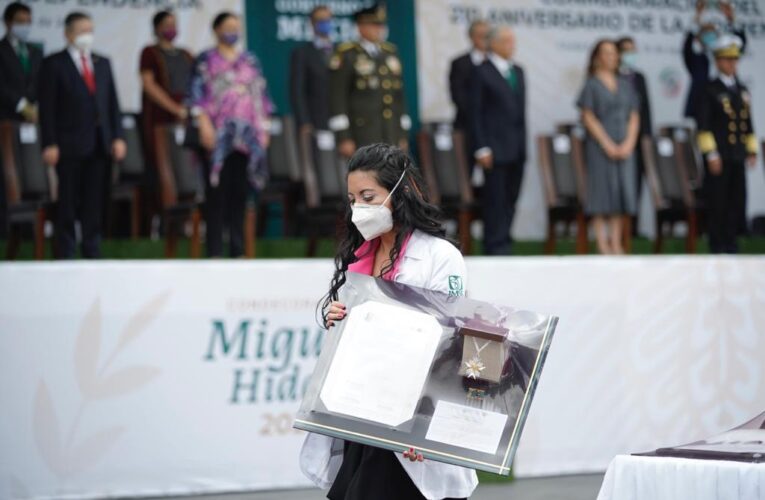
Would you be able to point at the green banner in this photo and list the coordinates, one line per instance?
(275, 27)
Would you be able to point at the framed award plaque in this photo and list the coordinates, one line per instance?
(451, 377)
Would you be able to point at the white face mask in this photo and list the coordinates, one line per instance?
(21, 31)
(374, 220)
(84, 41)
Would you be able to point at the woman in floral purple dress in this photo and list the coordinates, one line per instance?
(228, 97)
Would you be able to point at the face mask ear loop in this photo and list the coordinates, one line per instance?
(394, 189)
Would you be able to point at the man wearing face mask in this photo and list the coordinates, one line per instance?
(81, 131)
(727, 140)
(367, 88)
(628, 70)
(19, 66)
(697, 50)
(309, 73)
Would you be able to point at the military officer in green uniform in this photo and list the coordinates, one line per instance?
(727, 141)
(367, 89)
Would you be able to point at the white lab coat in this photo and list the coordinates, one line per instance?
(434, 264)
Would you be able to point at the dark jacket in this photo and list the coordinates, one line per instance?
(638, 82)
(14, 83)
(459, 87)
(498, 114)
(698, 65)
(725, 122)
(70, 117)
(309, 86)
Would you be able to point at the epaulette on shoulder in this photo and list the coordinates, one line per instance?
(346, 46)
(388, 47)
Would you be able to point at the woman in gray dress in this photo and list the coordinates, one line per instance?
(609, 110)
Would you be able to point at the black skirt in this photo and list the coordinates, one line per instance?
(369, 473)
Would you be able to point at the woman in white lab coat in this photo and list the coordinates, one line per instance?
(392, 232)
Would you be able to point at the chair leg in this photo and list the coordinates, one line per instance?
(581, 234)
(195, 250)
(658, 243)
(690, 241)
(627, 234)
(250, 221)
(550, 243)
(463, 227)
(313, 243)
(288, 214)
(171, 237)
(135, 214)
(40, 234)
(14, 241)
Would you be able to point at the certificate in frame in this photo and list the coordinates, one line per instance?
(394, 374)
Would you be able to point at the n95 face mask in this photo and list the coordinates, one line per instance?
(374, 220)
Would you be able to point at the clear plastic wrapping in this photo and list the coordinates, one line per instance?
(407, 368)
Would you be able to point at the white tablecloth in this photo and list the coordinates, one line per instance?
(666, 478)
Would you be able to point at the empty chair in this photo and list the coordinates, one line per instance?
(129, 174)
(687, 152)
(559, 178)
(285, 174)
(180, 189)
(444, 165)
(323, 173)
(671, 192)
(27, 186)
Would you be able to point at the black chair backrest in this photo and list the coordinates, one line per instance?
(330, 168)
(323, 171)
(577, 135)
(32, 172)
(667, 169)
(282, 151)
(563, 165)
(667, 179)
(445, 161)
(184, 166)
(686, 151)
(133, 164)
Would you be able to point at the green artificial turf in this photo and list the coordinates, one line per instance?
(272, 248)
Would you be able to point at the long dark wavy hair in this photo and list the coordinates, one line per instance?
(411, 210)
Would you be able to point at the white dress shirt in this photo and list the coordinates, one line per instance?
(76, 55)
(729, 81)
(371, 48)
(477, 57)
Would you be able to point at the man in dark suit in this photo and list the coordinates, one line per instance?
(19, 66)
(627, 70)
(81, 133)
(697, 50)
(461, 72)
(309, 73)
(498, 123)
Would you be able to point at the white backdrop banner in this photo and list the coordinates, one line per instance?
(123, 28)
(554, 38)
(146, 378)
